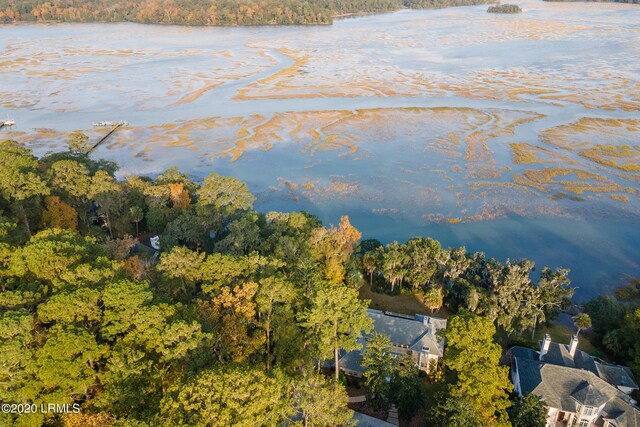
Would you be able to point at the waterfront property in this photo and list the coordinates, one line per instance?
(578, 389)
(416, 335)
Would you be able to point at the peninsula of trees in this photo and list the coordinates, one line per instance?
(230, 322)
(207, 12)
(504, 8)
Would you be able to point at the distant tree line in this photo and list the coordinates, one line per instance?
(602, 1)
(206, 12)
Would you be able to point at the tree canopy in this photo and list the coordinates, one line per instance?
(225, 325)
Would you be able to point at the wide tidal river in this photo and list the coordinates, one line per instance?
(517, 135)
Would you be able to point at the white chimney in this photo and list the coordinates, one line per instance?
(573, 345)
(544, 345)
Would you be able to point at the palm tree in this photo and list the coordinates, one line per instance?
(582, 321)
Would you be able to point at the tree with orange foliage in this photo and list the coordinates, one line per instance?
(333, 248)
(180, 198)
(136, 268)
(233, 312)
(348, 237)
(88, 420)
(59, 214)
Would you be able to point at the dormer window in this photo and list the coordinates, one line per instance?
(588, 410)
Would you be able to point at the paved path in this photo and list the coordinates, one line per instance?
(393, 416)
(357, 399)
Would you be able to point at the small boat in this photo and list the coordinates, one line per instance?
(8, 122)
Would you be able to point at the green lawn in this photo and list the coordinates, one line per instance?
(404, 304)
(562, 334)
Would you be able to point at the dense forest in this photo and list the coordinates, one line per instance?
(232, 320)
(206, 12)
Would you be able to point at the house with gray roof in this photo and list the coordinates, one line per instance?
(579, 390)
(416, 335)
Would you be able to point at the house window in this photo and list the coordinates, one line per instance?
(584, 423)
(588, 410)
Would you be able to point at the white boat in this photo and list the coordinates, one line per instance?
(8, 122)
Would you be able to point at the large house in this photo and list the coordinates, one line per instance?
(578, 390)
(416, 335)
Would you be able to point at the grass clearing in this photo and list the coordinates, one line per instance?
(404, 304)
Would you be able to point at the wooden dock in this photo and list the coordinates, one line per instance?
(104, 138)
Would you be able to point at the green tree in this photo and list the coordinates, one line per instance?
(55, 258)
(224, 397)
(183, 267)
(380, 365)
(66, 364)
(187, 228)
(393, 264)
(528, 412)
(553, 292)
(454, 411)
(16, 346)
(20, 181)
(322, 403)
(422, 256)
(243, 235)
(336, 319)
(508, 287)
(219, 197)
(582, 321)
(71, 179)
(273, 290)
(369, 245)
(475, 359)
(407, 390)
(433, 298)
(78, 142)
(106, 192)
(371, 262)
(136, 214)
(173, 176)
(453, 263)
(77, 306)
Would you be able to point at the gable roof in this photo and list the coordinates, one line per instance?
(562, 387)
(416, 333)
(558, 354)
(413, 332)
(619, 376)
